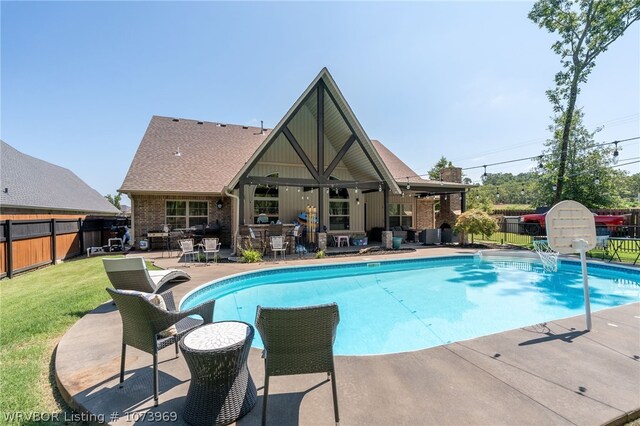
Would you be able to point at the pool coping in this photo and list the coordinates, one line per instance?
(437, 385)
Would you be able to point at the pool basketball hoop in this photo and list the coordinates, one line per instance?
(571, 229)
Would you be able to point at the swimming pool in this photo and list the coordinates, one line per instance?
(405, 305)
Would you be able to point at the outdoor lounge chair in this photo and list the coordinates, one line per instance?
(143, 322)
(131, 273)
(298, 341)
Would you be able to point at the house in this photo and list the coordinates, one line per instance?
(188, 173)
(42, 208)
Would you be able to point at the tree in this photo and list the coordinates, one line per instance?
(591, 180)
(586, 29)
(479, 198)
(434, 173)
(114, 200)
(475, 222)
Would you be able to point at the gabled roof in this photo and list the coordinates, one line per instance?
(210, 156)
(403, 174)
(34, 183)
(341, 103)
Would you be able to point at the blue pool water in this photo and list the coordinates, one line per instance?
(397, 306)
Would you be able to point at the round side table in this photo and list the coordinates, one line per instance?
(221, 389)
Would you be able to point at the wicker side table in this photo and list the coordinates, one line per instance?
(221, 389)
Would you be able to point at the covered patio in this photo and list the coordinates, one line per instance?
(319, 161)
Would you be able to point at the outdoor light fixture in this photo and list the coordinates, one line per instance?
(358, 201)
(484, 175)
(286, 188)
(327, 190)
(408, 185)
(219, 204)
(616, 154)
(356, 190)
(445, 197)
(379, 187)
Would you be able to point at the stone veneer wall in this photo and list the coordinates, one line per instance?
(149, 213)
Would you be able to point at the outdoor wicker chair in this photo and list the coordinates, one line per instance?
(143, 322)
(131, 273)
(298, 341)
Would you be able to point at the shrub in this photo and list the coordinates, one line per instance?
(251, 256)
(320, 254)
(476, 222)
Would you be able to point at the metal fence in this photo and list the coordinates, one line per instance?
(512, 232)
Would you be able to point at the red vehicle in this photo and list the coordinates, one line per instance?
(534, 224)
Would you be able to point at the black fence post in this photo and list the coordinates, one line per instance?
(81, 235)
(53, 241)
(9, 244)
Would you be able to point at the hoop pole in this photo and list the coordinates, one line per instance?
(585, 283)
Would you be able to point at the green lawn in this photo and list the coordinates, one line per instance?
(36, 309)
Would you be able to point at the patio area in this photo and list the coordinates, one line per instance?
(542, 374)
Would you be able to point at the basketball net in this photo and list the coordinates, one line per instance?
(548, 257)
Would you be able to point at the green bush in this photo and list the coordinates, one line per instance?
(251, 256)
(321, 254)
(476, 222)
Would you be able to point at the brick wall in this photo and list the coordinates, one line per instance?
(149, 213)
(450, 202)
(425, 213)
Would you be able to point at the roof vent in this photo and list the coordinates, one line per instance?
(175, 119)
(223, 125)
(261, 127)
(245, 127)
(200, 122)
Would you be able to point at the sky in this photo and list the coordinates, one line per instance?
(80, 81)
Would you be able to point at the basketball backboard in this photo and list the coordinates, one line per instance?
(568, 222)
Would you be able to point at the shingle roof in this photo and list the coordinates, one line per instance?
(210, 156)
(34, 183)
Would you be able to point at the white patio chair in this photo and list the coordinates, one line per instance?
(211, 245)
(278, 244)
(188, 250)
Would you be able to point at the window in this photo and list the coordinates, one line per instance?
(185, 214)
(400, 215)
(338, 209)
(266, 203)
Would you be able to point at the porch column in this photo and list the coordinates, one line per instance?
(241, 204)
(463, 201)
(385, 202)
(320, 209)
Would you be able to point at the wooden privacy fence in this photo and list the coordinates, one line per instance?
(30, 244)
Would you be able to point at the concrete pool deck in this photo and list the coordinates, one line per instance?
(552, 373)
